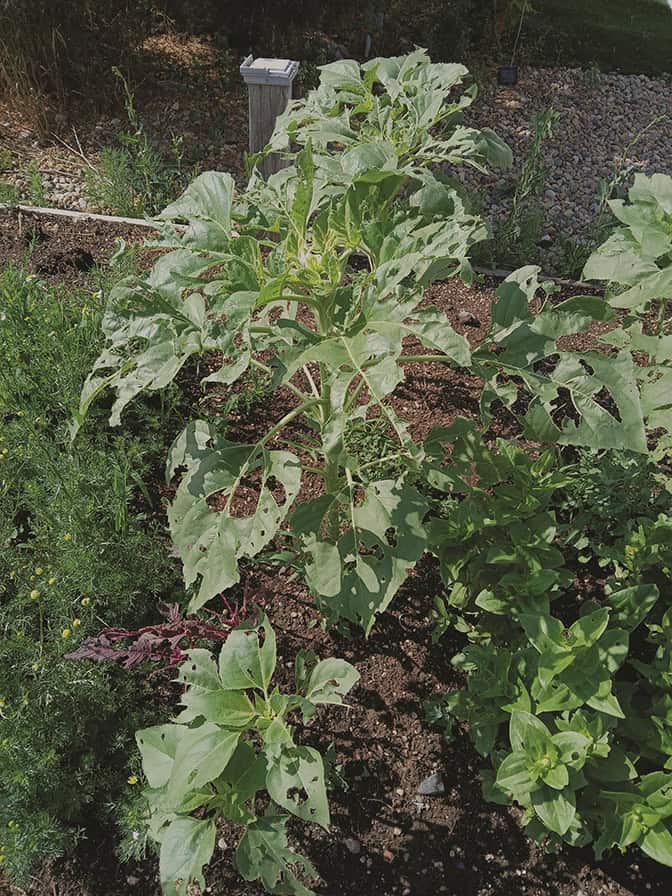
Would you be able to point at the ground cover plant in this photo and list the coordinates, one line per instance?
(315, 278)
(74, 550)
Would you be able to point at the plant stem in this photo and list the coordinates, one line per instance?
(523, 10)
(410, 359)
(267, 370)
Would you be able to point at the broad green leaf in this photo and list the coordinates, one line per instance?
(205, 696)
(514, 775)
(557, 777)
(202, 755)
(295, 781)
(186, 847)
(212, 541)
(158, 746)
(632, 605)
(657, 843)
(244, 662)
(555, 808)
(529, 734)
(330, 681)
(357, 576)
(207, 197)
(263, 854)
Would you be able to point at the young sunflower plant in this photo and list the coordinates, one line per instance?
(316, 278)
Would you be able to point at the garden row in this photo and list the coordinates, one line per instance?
(310, 291)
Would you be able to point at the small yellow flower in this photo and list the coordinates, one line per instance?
(34, 594)
(20, 413)
(86, 601)
(66, 633)
(32, 578)
(38, 570)
(2, 703)
(52, 581)
(67, 537)
(12, 573)
(35, 667)
(11, 824)
(132, 779)
(76, 623)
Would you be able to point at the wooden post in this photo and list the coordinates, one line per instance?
(269, 85)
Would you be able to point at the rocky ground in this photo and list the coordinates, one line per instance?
(609, 124)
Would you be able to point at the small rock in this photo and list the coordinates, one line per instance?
(132, 880)
(432, 786)
(222, 843)
(353, 846)
(396, 832)
(388, 855)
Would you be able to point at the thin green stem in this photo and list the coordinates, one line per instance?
(411, 359)
(267, 370)
(300, 409)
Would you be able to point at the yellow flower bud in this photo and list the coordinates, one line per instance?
(38, 570)
(66, 633)
(52, 581)
(67, 537)
(86, 601)
(34, 594)
(76, 623)
(132, 779)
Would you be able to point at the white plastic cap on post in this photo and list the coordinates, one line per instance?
(274, 72)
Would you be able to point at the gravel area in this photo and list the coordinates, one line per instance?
(601, 118)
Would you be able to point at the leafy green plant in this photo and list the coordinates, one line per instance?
(232, 744)
(574, 721)
(357, 235)
(610, 492)
(74, 546)
(135, 179)
(9, 193)
(636, 262)
(315, 278)
(36, 190)
(515, 240)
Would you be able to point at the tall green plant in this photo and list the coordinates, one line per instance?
(316, 278)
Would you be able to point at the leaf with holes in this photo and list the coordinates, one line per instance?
(263, 854)
(295, 781)
(357, 575)
(211, 541)
(244, 662)
(187, 845)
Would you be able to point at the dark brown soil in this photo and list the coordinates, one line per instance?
(385, 840)
(60, 250)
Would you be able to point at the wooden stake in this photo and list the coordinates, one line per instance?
(269, 85)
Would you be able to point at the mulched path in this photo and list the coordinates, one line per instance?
(385, 840)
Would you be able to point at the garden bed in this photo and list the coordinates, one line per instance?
(385, 838)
